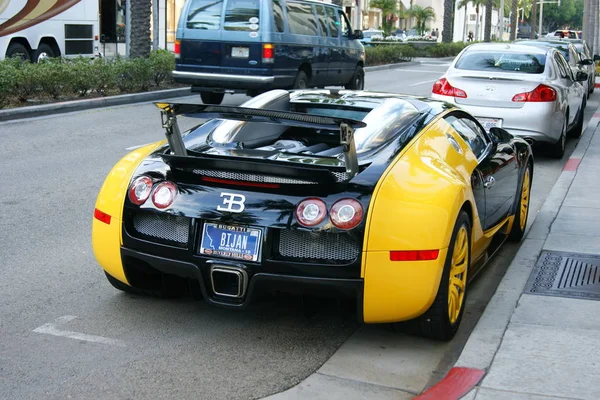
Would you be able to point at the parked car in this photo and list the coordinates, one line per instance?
(572, 56)
(252, 46)
(300, 191)
(369, 34)
(564, 34)
(529, 91)
(586, 54)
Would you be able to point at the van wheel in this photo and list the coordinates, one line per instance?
(44, 52)
(358, 80)
(212, 97)
(18, 50)
(301, 81)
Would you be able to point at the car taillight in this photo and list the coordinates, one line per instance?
(311, 212)
(268, 53)
(444, 88)
(541, 93)
(140, 189)
(414, 255)
(177, 48)
(164, 194)
(346, 213)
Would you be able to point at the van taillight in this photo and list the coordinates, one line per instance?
(268, 54)
(177, 49)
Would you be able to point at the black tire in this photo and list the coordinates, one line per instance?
(44, 51)
(301, 81)
(358, 80)
(436, 323)
(577, 130)
(557, 150)
(18, 50)
(212, 97)
(522, 202)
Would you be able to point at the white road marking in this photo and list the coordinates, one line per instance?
(419, 70)
(51, 329)
(136, 147)
(423, 82)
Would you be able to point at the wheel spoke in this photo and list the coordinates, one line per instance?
(458, 284)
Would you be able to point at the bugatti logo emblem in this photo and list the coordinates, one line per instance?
(232, 202)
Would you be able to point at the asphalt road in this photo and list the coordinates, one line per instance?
(66, 333)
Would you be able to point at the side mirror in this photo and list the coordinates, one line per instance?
(581, 76)
(500, 135)
(358, 34)
(596, 57)
(587, 61)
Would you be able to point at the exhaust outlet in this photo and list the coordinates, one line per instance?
(228, 281)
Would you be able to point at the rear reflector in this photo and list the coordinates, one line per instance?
(101, 216)
(414, 255)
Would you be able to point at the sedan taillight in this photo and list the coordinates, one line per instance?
(541, 93)
(444, 88)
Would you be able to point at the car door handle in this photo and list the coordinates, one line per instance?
(489, 182)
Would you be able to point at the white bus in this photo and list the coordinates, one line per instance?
(35, 29)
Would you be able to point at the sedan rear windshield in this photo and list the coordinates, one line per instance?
(502, 61)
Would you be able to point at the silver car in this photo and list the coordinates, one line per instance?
(529, 91)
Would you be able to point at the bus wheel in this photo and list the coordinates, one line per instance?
(44, 52)
(18, 50)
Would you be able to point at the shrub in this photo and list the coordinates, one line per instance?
(81, 76)
(388, 54)
(8, 79)
(133, 75)
(104, 75)
(162, 63)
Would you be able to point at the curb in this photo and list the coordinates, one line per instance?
(86, 104)
(485, 340)
(78, 105)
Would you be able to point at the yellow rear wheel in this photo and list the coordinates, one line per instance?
(522, 208)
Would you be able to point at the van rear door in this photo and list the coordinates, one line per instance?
(241, 36)
(200, 33)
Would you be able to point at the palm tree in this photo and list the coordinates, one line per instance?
(388, 11)
(514, 20)
(488, 20)
(422, 15)
(139, 44)
(477, 4)
(447, 27)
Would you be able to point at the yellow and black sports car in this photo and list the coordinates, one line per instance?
(396, 200)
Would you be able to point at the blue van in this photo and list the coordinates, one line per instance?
(251, 46)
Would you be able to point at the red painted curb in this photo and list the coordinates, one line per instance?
(572, 164)
(456, 384)
(596, 85)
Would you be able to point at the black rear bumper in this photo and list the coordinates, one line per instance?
(135, 261)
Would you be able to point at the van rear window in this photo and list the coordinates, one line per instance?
(204, 14)
(242, 15)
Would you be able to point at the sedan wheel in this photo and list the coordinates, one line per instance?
(558, 149)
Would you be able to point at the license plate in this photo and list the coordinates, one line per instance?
(240, 52)
(488, 123)
(237, 242)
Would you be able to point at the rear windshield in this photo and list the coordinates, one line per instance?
(505, 62)
(204, 14)
(242, 15)
(563, 49)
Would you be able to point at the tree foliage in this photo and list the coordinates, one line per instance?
(568, 15)
(421, 15)
(388, 10)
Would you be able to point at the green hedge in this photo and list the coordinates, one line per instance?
(57, 79)
(398, 52)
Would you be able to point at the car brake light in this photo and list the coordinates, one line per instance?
(177, 48)
(101, 216)
(140, 189)
(311, 212)
(268, 54)
(541, 93)
(444, 88)
(346, 213)
(414, 255)
(164, 194)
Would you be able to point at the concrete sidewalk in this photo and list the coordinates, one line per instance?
(539, 337)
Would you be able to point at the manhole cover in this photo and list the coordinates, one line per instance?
(566, 275)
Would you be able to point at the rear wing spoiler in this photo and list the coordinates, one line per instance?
(346, 126)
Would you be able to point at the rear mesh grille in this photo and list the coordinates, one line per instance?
(317, 246)
(245, 177)
(162, 226)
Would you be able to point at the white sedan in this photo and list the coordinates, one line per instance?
(530, 92)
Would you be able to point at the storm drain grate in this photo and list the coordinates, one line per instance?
(566, 275)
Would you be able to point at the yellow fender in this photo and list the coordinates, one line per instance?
(106, 238)
(414, 207)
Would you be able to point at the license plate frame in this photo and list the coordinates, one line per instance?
(213, 244)
(488, 123)
(240, 52)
